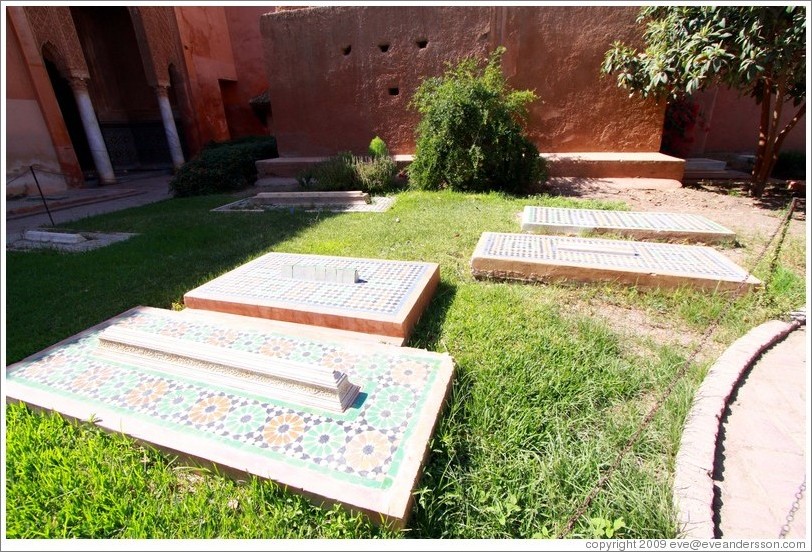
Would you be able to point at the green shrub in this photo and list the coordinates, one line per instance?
(470, 136)
(223, 166)
(790, 165)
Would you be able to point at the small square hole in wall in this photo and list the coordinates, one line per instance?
(346, 49)
(394, 91)
(384, 47)
(422, 43)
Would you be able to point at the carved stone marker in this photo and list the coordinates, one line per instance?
(320, 273)
(53, 237)
(296, 382)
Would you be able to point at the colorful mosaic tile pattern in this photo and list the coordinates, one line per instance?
(361, 446)
(613, 254)
(621, 220)
(384, 286)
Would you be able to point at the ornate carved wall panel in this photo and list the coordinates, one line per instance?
(156, 29)
(54, 25)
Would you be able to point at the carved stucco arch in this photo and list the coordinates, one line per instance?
(53, 27)
(158, 40)
(51, 53)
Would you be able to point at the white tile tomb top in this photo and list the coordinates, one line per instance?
(650, 265)
(386, 299)
(555, 220)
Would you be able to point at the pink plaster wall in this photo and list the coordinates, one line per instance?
(733, 122)
(325, 101)
(249, 63)
(28, 140)
(208, 56)
(558, 51)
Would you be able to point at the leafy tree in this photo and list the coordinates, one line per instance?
(758, 50)
(470, 136)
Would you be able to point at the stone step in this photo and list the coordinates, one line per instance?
(725, 174)
(584, 164)
(288, 167)
(541, 258)
(704, 164)
(277, 184)
(615, 165)
(636, 224)
(312, 199)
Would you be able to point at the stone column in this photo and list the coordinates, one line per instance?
(98, 149)
(171, 130)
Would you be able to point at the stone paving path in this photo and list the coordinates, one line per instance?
(761, 450)
(77, 203)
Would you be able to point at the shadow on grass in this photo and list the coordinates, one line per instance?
(181, 245)
(428, 331)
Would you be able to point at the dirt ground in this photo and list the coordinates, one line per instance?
(725, 202)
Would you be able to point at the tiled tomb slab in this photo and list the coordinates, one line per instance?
(312, 199)
(368, 458)
(387, 300)
(649, 265)
(636, 224)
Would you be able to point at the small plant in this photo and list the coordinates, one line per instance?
(470, 136)
(606, 528)
(377, 148)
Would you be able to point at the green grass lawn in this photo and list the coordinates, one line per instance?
(545, 396)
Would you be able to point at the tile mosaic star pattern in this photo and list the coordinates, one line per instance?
(387, 300)
(632, 223)
(542, 257)
(369, 450)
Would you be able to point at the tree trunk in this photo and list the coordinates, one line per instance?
(763, 133)
(776, 148)
(770, 153)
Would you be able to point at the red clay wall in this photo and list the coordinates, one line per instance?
(733, 122)
(325, 101)
(208, 56)
(249, 62)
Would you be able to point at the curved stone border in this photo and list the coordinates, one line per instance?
(693, 477)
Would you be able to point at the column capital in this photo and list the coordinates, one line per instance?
(78, 83)
(161, 89)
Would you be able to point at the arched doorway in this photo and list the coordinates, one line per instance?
(126, 105)
(70, 113)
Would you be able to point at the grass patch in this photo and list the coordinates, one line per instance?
(545, 394)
